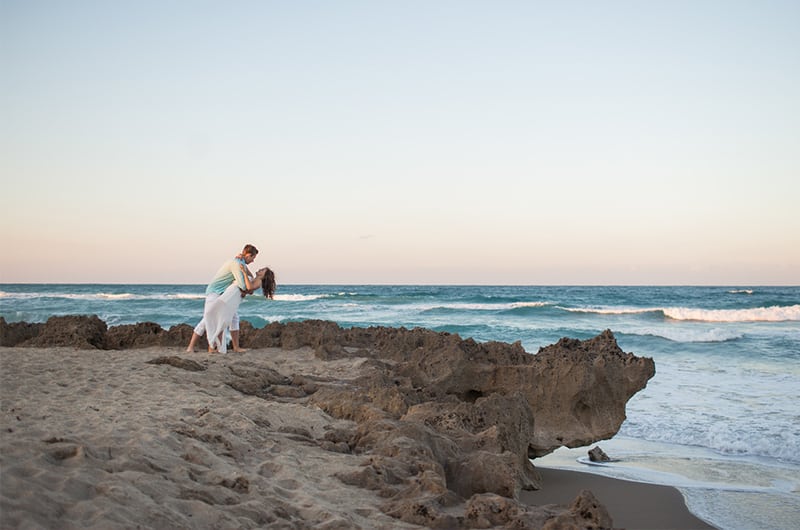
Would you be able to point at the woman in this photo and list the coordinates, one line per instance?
(219, 313)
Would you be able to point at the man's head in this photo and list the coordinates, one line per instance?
(249, 253)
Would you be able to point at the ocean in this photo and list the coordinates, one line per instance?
(720, 420)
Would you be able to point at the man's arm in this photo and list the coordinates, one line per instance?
(242, 277)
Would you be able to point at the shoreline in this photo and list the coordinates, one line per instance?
(631, 504)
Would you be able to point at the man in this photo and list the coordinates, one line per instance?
(232, 271)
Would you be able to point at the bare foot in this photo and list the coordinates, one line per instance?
(190, 350)
(240, 350)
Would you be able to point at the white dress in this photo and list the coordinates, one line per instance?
(218, 315)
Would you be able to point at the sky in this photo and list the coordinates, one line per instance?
(401, 142)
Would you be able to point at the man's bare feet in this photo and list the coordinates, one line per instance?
(240, 350)
(190, 350)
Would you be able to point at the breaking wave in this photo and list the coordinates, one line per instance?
(755, 314)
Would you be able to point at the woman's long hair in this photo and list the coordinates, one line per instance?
(268, 284)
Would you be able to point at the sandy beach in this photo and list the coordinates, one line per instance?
(107, 439)
(101, 439)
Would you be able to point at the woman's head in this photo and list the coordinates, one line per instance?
(268, 283)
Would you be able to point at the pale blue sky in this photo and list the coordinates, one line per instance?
(401, 142)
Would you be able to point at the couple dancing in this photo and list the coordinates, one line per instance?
(232, 282)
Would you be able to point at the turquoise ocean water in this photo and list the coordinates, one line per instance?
(720, 420)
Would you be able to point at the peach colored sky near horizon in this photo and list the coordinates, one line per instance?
(451, 142)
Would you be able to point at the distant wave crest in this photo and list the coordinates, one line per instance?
(92, 296)
(187, 296)
(690, 335)
(756, 314)
(529, 304)
(612, 310)
(483, 306)
(299, 297)
(111, 297)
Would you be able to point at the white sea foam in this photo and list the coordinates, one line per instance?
(457, 306)
(113, 296)
(611, 310)
(741, 291)
(529, 304)
(740, 407)
(477, 306)
(186, 296)
(756, 314)
(299, 297)
(78, 296)
(688, 335)
(759, 441)
(156, 296)
(5, 294)
(103, 296)
(90, 296)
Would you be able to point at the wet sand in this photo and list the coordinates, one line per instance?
(632, 505)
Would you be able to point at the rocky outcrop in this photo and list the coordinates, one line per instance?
(84, 332)
(145, 334)
(579, 389)
(17, 332)
(89, 332)
(492, 511)
(441, 421)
